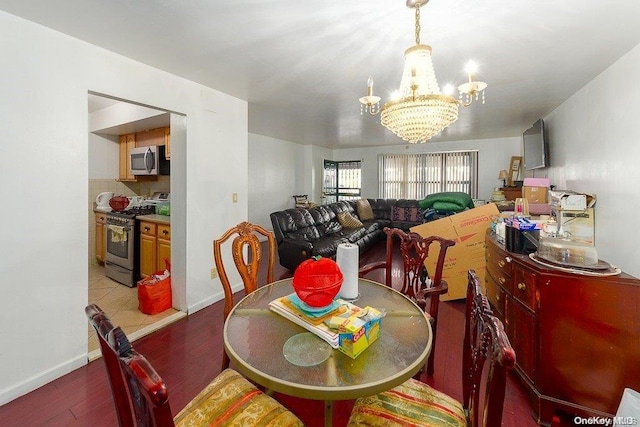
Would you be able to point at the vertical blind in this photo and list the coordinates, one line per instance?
(415, 176)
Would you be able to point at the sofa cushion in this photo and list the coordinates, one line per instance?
(331, 227)
(327, 246)
(365, 212)
(375, 224)
(382, 207)
(347, 220)
(354, 234)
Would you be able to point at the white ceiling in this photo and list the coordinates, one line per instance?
(302, 65)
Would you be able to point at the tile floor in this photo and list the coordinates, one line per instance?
(121, 305)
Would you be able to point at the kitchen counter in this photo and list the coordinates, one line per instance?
(159, 219)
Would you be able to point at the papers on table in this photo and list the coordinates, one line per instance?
(312, 321)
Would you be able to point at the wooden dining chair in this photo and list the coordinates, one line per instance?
(417, 283)
(246, 251)
(142, 399)
(417, 404)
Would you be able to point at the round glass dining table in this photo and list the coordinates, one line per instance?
(257, 340)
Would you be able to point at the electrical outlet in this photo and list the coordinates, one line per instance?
(214, 273)
(234, 197)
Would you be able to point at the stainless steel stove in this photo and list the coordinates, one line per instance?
(122, 262)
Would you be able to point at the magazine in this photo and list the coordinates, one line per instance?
(311, 321)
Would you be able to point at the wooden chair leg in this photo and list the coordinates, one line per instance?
(225, 360)
(430, 364)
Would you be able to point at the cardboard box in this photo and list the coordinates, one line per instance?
(356, 335)
(468, 229)
(535, 194)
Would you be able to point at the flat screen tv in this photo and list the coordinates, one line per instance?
(535, 147)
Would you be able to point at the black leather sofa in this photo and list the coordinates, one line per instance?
(305, 232)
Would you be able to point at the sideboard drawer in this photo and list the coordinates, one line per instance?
(524, 287)
(499, 266)
(496, 296)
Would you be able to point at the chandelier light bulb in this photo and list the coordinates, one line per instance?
(471, 67)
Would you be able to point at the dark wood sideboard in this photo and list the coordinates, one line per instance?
(576, 337)
(511, 193)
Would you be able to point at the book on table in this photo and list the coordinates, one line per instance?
(311, 318)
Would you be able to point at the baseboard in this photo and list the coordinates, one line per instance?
(212, 299)
(36, 381)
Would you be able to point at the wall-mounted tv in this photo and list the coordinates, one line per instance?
(535, 147)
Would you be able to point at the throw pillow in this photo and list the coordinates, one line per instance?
(349, 221)
(406, 214)
(365, 212)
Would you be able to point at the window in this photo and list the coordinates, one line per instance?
(415, 176)
(342, 181)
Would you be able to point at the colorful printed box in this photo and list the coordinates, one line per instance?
(356, 335)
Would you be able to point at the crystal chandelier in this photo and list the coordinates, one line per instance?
(420, 111)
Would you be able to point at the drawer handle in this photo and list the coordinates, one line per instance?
(165, 232)
(502, 280)
(501, 263)
(509, 259)
(498, 298)
(522, 286)
(147, 228)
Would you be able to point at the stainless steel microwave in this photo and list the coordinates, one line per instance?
(149, 160)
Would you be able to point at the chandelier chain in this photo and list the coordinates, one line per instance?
(417, 25)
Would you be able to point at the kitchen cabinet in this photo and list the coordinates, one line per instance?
(575, 336)
(127, 142)
(155, 247)
(101, 236)
(159, 136)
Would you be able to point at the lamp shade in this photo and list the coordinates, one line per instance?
(503, 174)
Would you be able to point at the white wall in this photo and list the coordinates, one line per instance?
(103, 156)
(275, 175)
(594, 148)
(44, 164)
(494, 155)
(314, 170)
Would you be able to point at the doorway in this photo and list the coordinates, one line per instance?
(109, 119)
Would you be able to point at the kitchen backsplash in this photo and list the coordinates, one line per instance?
(97, 186)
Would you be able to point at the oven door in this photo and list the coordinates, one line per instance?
(120, 245)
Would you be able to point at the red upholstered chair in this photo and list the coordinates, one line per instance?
(141, 396)
(414, 250)
(246, 250)
(417, 404)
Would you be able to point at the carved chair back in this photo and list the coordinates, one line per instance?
(487, 354)
(417, 283)
(246, 250)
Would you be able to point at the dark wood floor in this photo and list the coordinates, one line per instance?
(187, 355)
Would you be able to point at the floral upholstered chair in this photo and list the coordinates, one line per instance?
(141, 397)
(414, 403)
